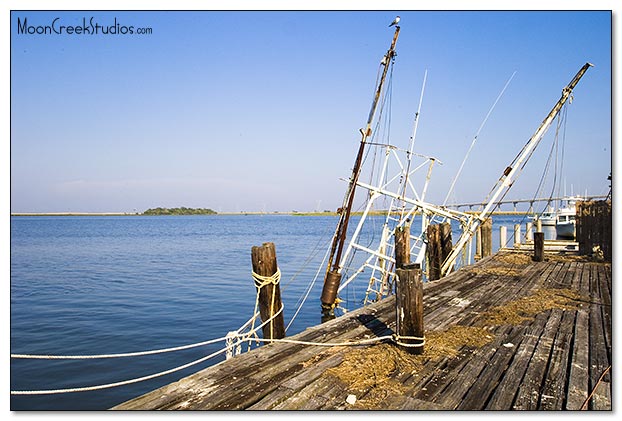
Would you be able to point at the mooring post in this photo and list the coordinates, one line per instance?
(409, 309)
(517, 236)
(487, 237)
(529, 231)
(446, 243)
(402, 246)
(478, 244)
(266, 274)
(538, 225)
(434, 252)
(538, 246)
(503, 236)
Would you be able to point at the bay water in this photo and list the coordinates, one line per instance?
(85, 285)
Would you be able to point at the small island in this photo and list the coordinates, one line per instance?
(179, 211)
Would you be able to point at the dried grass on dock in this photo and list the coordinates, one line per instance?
(372, 373)
(515, 312)
(510, 264)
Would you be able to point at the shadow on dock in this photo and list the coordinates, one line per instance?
(504, 334)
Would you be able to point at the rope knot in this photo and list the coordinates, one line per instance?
(261, 281)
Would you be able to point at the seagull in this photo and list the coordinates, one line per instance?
(395, 21)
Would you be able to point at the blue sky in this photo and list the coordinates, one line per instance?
(246, 111)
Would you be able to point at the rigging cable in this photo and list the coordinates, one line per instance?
(453, 183)
(384, 115)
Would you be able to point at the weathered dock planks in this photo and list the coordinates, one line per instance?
(504, 334)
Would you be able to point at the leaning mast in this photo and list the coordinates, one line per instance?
(332, 277)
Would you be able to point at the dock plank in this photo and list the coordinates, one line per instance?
(505, 393)
(488, 379)
(598, 346)
(549, 361)
(578, 383)
(529, 391)
(553, 396)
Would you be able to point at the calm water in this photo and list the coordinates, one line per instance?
(99, 285)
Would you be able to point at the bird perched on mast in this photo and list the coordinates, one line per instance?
(395, 21)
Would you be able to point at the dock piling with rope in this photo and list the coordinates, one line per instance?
(409, 309)
(266, 274)
(506, 333)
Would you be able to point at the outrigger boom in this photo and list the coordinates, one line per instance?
(381, 284)
(507, 178)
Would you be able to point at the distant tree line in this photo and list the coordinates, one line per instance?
(179, 211)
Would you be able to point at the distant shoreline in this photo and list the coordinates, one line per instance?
(225, 213)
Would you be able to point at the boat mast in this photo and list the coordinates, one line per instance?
(507, 178)
(333, 269)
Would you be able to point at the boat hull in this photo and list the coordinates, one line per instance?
(548, 221)
(566, 229)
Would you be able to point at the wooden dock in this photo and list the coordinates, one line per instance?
(504, 334)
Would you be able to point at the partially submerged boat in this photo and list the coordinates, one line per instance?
(405, 202)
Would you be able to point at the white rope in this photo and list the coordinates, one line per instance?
(308, 291)
(261, 281)
(127, 354)
(398, 340)
(163, 373)
(109, 385)
(349, 343)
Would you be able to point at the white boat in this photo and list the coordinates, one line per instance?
(566, 223)
(547, 218)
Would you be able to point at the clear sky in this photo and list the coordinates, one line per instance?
(260, 110)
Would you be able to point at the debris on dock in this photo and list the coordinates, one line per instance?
(540, 340)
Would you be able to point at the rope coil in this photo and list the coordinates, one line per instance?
(398, 340)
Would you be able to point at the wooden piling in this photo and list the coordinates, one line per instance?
(446, 243)
(528, 231)
(264, 264)
(409, 309)
(503, 236)
(487, 237)
(538, 246)
(517, 235)
(434, 252)
(439, 247)
(402, 246)
(478, 244)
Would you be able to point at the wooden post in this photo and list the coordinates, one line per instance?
(538, 246)
(529, 231)
(538, 225)
(434, 251)
(478, 244)
(503, 236)
(264, 264)
(487, 237)
(517, 236)
(446, 245)
(409, 309)
(402, 246)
